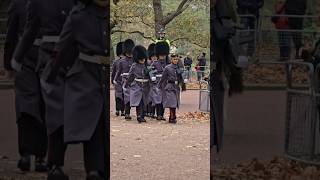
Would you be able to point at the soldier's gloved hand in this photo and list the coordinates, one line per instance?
(115, 82)
(46, 86)
(153, 78)
(15, 65)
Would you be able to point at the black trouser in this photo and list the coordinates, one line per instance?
(140, 110)
(57, 148)
(173, 113)
(160, 109)
(93, 150)
(152, 109)
(32, 136)
(119, 104)
(127, 108)
(296, 24)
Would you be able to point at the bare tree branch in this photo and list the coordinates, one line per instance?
(133, 32)
(178, 39)
(184, 4)
(145, 23)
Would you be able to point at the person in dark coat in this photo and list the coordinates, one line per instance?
(170, 83)
(118, 87)
(45, 21)
(201, 66)
(296, 8)
(123, 72)
(138, 82)
(187, 62)
(84, 38)
(225, 76)
(32, 135)
(161, 51)
(250, 9)
(151, 109)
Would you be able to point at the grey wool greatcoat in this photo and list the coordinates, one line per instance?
(155, 94)
(170, 86)
(45, 18)
(83, 38)
(27, 85)
(138, 90)
(117, 85)
(124, 67)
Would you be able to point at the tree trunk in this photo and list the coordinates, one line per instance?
(158, 16)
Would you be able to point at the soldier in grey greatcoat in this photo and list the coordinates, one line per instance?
(161, 51)
(151, 109)
(117, 86)
(82, 49)
(123, 72)
(32, 136)
(138, 82)
(225, 76)
(45, 20)
(170, 83)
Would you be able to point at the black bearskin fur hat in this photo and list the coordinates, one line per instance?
(162, 48)
(119, 48)
(139, 52)
(151, 50)
(127, 46)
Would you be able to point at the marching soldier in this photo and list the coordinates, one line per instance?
(47, 18)
(82, 51)
(170, 83)
(123, 72)
(117, 86)
(225, 76)
(153, 85)
(161, 51)
(138, 82)
(32, 136)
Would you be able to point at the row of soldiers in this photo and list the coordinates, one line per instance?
(147, 79)
(56, 48)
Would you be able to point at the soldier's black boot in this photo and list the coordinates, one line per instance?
(94, 175)
(122, 113)
(172, 118)
(40, 165)
(24, 163)
(141, 120)
(127, 117)
(56, 173)
(140, 117)
(117, 113)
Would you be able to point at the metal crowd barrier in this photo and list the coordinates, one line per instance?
(301, 119)
(204, 98)
(280, 44)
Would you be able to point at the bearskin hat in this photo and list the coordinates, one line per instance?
(127, 46)
(139, 52)
(119, 48)
(162, 48)
(151, 50)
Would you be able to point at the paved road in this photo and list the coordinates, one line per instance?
(161, 156)
(254, 128)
